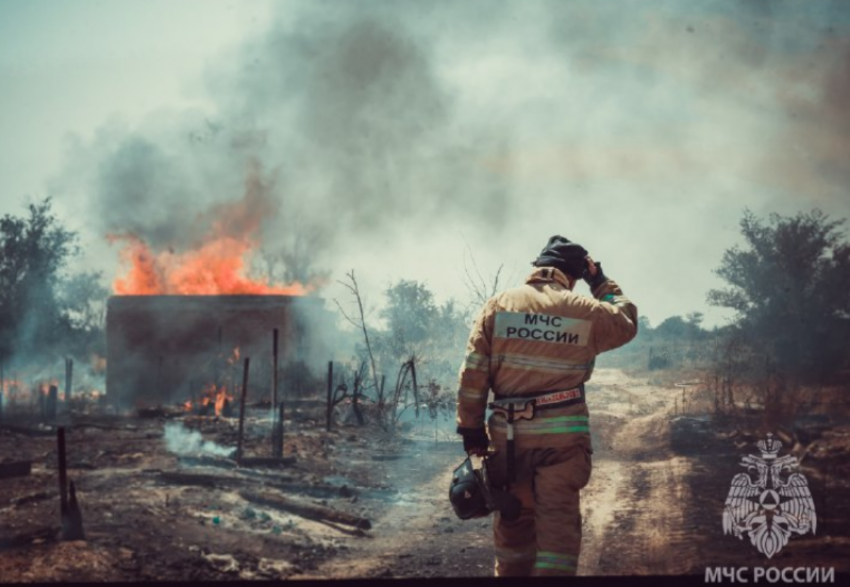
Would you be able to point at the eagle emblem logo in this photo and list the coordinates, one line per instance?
(772, 505)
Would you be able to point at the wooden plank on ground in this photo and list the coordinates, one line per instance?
(266, 461)
(304, 509)
(207, 461)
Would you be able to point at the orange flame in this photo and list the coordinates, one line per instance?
(220, 399)
(15, 391)
(217, 397)
(216, 266)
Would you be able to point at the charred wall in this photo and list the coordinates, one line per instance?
(163, 349)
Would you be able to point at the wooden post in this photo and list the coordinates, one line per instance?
(192, 396)
(330, 394)
(242, 409)
(69, 378)
(217, 363)
(73, 526)
(52, 400)
(277, 424)
(42, 400)
(279, 453)
(63, 473)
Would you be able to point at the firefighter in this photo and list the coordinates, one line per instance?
(534, 346)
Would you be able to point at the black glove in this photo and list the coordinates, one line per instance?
(474, 438)
(595, 280)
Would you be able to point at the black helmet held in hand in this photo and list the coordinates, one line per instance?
(473, 497)
(467, 492)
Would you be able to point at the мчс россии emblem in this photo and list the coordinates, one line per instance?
(769, 508)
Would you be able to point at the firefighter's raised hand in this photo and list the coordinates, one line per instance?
(593, 275)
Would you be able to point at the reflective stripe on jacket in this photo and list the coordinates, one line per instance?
(539, 337)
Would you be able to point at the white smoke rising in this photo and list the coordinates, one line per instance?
(181, 441)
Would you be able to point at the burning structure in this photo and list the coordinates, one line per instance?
(172, 348)
(183, 316)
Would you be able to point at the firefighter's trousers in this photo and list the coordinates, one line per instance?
(546, 539)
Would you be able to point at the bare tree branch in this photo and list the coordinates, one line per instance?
(475, 284)
(355, 290)
(346, 316)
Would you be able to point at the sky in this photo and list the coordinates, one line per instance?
(409, 140)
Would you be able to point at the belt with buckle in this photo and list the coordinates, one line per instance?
(509, 408)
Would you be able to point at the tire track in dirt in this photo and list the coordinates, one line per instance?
(598, 511)
(635, 506)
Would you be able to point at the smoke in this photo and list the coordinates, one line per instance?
(387, 132)
(182, 441)
(341, 111)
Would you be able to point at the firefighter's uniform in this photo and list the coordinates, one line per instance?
(541, 337)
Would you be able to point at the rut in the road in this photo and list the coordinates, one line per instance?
(635, 507)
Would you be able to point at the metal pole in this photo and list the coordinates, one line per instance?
(242, 409)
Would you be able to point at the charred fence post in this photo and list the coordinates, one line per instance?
(277, 413)
(242, 409)
(193, 398)
(330, 395)
(279, 453)
(75, 516)
(69, 378)
(217, 362)
(63, 472)
(72, 518)
(52, 401)
(42, 401)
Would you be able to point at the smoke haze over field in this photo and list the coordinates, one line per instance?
(391, 134)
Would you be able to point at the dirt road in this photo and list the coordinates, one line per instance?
(632, 521)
